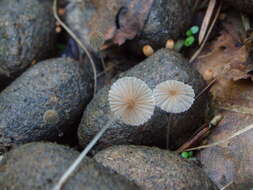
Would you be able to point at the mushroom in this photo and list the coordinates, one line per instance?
(131, 101)
(147, 50)
(174, 96)
(170, 44)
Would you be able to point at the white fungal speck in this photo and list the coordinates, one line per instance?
(174, 96)
(131, 101)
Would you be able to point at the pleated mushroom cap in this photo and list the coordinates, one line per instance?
(174, 96)
(131, 101)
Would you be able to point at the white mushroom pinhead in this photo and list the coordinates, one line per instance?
(174, 96)
(131, 101)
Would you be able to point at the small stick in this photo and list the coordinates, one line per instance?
(206, 88)
(79, 43)
(240, 132)
(226, 186)
(207, 35)
(206, 20)
(198, 136)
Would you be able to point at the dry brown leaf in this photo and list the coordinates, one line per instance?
(227, 60)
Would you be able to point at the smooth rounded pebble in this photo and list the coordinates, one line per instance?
(44, 102)
(26, 35)
(38, 166)
(162, 128)
(153, 168)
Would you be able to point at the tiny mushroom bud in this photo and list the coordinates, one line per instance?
(131, 101)
(147, 50)
(58, 29)
(174, 96)
(208, 74)
(170, 44)
(61, 11)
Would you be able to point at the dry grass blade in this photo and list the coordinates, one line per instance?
(78, 42)
(226, 186)
(206, 20)
(206, 88)
(240, 132)
(207, 35)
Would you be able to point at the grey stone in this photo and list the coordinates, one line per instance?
(153, 168)
(44, 102)
(38, 166)
(27, 33)
(176, 128)
(166, 20)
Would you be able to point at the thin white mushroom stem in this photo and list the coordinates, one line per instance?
(132, 102)
(79, 159)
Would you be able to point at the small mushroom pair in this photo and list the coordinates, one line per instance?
(133, 102)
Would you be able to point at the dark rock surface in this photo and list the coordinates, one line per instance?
(166, 20)
(153, 168)
(164, 65)
(38, 166)
(27, 32)
(44, 102)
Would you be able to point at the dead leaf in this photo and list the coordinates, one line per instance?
(124, 19)
(227, 60)
(133, 21)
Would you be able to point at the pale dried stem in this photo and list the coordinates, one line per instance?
(78, 42)
(236, 134)
(207, 35)
(206, 20)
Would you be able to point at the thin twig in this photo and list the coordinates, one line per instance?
(206, 20)
(195, 139)
(79, 159)
(79, 43)
(226, 186)
(242, 131)
(207, 35)
(201, 133)
(206, 88)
